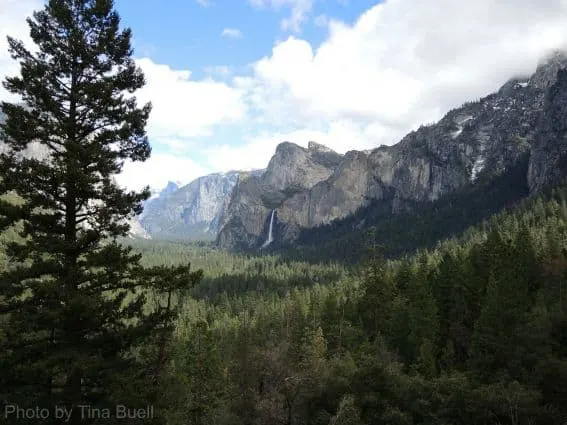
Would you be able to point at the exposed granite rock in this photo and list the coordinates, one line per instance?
(293, 167)
(246, 213)
(548, 161)
(314, 186)
(291, 171)
(193, 211)
(136, 229)
(478, 140)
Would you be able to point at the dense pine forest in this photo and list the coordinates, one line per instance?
(472, 332)
(449, 319)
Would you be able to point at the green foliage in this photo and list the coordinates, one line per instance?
(76, 328)
(472, 332)
(197, 377)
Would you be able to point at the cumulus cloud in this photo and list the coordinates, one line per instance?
(158, 170)
(222, 71)
(255, 153)
(184, 108)
(401, 64)
(231, 33)
(405, 62)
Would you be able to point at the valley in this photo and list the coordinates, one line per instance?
(436, 327)
(337, 294)
(311, 191)
(422, 282)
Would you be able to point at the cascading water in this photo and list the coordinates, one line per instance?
(270, 231)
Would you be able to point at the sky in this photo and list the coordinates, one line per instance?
(231, 79)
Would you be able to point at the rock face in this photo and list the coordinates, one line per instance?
(295, 168)
(314, 186)
(193, 211)
(136, 230)
(308, 187)
(548, 162)
(292, 171)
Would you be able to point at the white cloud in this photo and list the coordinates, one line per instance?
(184, 108)
(299, 11)
(404, 63)
(222, 71)
(231, 33)
(340, 136)
(158, 170)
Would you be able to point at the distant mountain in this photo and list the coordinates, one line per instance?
(479, 141)
(193, 211)
(169, 188)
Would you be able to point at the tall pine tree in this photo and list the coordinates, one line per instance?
(73, 297)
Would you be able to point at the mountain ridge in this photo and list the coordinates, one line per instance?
(313, 186)
(485, 137)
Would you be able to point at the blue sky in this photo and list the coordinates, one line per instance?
(186, 34)
(230, 79)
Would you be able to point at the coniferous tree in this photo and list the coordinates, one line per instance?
(73, 296)
(379, 294)
(199, 374)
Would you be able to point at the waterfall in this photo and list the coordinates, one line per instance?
(270, 231)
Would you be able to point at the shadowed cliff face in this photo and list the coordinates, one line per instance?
(548, 162)
(476, 141)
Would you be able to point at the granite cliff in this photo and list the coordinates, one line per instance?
(548, 161)
(193, 211)
(291, 171)
(480, 140)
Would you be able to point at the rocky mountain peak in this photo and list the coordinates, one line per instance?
(294, 167)
(546, 72)
(169, 188)
(475, 142)
(317, 147)
(193, 211)
(288, 147)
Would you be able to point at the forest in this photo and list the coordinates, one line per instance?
(445, 320)
(471, 332)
